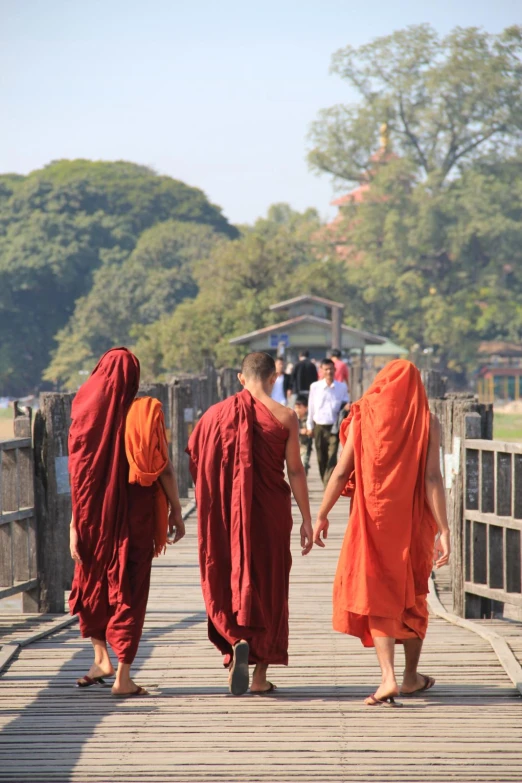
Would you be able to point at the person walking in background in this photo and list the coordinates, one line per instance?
(341, 368)
(303, 374)
(305, 440)
(283, 385)
(326, 400)
(238, 453)
(390, 467)
(121, 484)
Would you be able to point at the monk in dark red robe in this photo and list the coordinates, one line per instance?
(237, 454)
(390, 468)
(121, 484)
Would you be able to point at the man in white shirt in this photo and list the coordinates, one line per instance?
(327, 398)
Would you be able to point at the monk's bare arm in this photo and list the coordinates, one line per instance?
(435, 494)
(332, 493)
(297, 479)
(170, 487)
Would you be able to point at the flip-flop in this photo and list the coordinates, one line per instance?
(239, 675)
(429, 682)
(270, 689)
(86, 681)
(138, 692)
(388, 701)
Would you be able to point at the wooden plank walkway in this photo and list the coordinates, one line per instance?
(315, 729)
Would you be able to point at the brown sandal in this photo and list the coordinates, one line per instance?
(86, 681)
(388, 701)
(429, 682)
(138, 692)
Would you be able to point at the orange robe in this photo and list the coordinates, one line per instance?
(381, 581)
(147, 452)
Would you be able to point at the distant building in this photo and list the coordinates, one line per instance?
(500, 371)
(312, 323)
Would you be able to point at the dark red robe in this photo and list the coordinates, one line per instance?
(237, 457)
(114, 519)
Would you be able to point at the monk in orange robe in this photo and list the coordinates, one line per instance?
(238, 452)
(390, 468)
(122, 482)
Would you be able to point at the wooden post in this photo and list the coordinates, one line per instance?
(228, 383)
(23, 420)
(435, 384)
(182, 418)
(53, 499)
(337, 326)
(451, 412)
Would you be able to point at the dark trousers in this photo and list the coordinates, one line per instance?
(326, 447)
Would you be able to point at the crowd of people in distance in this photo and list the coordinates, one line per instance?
(248, 455)
(319, 393)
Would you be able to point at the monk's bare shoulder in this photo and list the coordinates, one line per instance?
(286, 416)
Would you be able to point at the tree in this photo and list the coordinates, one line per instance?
(445, 102)
(279, 257)
(59, 225)
(440, 269)
(150, 283)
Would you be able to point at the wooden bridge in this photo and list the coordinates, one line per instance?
(316, 728)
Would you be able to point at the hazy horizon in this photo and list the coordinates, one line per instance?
(219, 97)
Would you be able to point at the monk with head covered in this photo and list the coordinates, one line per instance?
(390, 468)
(238, 452)
(122, 483)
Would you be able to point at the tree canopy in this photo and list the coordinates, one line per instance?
(446, 101)
(58, 226)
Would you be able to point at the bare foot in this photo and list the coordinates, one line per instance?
(385, 690)
(101, 671)
(416, 683)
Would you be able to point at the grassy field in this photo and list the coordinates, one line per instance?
(507, 426)
(6, 423)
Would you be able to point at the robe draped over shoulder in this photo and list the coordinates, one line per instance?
(98, 470)
(387, 552)
(237, 454)
(147, 453)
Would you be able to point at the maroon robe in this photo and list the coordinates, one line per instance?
(237, 458)
(114, 519)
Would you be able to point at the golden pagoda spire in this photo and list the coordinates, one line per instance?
(385, 137)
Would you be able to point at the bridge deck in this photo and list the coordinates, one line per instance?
(315, 729)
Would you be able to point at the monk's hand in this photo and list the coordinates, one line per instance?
(321, 526)
(307, 537)
(73, 544)
(442, 552)
(176, 529)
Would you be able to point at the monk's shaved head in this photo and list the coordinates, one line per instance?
(258, 366)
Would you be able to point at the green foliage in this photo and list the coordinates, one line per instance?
(279, 257)
(150, 283)
(446, 101)
(440, 269)
(57, 227)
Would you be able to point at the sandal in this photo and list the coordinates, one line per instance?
(86, 681)
(429, 682)
(270, 689)
(388, 701)
(138, 692)
(239, 675)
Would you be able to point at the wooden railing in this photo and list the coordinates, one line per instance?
(18, 568)
(35, 498)
(492, 525)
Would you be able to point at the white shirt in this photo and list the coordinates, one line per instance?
(278, 392)
(325, 402)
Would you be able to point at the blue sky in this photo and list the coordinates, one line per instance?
(217, 93)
